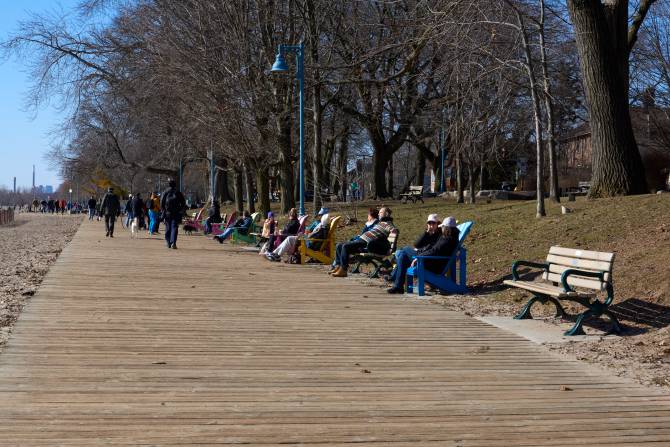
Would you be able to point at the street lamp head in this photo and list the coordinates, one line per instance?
(70, 190)
(280, 64)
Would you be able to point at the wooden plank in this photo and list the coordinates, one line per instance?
(582, 254)
(128, 343)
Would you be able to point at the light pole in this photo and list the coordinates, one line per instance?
(70, 204)
(281, 66)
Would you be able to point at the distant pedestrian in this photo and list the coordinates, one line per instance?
(110, 208)
(91, 207)
(173, 205)
(128, 209)
(154, 210)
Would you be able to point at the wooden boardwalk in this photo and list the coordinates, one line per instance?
(128, 343)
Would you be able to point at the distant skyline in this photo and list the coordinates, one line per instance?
(24, 141)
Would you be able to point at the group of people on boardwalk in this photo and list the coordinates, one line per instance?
(169, 207)
(54, 206)
(437, 242)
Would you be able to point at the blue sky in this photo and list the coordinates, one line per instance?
(23, 140)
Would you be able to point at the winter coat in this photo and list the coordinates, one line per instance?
(444, 246)
(426, 241)
(110, 205)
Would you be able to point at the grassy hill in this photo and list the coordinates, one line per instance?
(636, 228)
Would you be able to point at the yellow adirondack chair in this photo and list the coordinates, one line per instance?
(326, 253)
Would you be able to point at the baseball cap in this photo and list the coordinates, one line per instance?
(448, 222)
(432, 218)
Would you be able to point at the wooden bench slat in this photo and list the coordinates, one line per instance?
(577, 281)
(582, 254)
(559, 269)
(578, 263)
(545, 288)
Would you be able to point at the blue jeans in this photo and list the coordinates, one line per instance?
(403, 258)
(91, 213)
(171, 230)
(226, 234)
(344, 250)
(153, 221)
(129, 218)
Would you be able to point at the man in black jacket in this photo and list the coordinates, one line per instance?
(110, 208)
(91, 208)
(444, 246)
(173, 205)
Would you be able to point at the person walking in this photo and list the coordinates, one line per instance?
(128, 209)
(110, 208)
(173, 205)
(138, 209)
(91, 207)
(154, 209)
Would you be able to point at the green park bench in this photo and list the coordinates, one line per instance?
(378, 261)
(572, 275)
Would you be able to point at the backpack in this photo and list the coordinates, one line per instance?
(172, 203)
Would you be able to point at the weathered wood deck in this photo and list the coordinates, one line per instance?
(128, 343)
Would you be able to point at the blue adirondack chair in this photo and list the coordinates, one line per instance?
(443, 282)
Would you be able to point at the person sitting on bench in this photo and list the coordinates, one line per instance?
(288, 246)
(242, 225)
(445, 245)
(290, 229)
(213, 216)
(373, 218)
(375, 240)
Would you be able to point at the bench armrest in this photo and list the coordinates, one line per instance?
(568, 272)
(517, 264)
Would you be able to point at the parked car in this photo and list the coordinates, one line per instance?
(508, 186)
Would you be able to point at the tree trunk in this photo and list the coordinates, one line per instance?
(601, 32)
(389, 177)
(249, 180)
(343, 160)
(221, 186)
(482, 172)
(379, 167)
(471, 183)
(539, 155)
(420, 168)
(286, 179)
(317, 111)
(549, 110)
(459, 179)
(239, 190)
(263, 185)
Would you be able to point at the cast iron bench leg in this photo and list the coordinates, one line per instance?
(525, 312)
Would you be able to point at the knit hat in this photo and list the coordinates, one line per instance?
(448, 222)
(432, 218)
(270, 214)
(324, 219)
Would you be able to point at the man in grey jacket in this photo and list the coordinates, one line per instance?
(110, 208)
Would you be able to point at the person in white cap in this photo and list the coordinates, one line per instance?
(289, 245)
(404, 255)
(444, 246)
